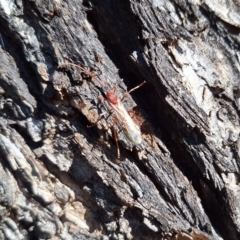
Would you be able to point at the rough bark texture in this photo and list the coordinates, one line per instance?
(60, 179)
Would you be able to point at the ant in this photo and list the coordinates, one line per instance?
(131, 130)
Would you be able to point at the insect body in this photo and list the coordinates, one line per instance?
(131, 130)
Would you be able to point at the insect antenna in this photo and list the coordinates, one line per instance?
(99, 60)
(83, 70)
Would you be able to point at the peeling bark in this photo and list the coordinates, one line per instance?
(60, 179)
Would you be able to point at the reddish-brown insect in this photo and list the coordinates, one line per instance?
(131, 130)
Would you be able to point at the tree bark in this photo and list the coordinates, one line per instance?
(60, 178)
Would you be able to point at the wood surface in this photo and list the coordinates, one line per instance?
(60, 179)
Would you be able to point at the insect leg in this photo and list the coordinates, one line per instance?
(116, 137)
(131, 90)
(99, 117)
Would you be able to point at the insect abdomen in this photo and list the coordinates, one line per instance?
(133, 134)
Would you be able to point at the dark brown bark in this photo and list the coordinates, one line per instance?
(60, 179)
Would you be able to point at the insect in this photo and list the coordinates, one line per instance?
(131, 130)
